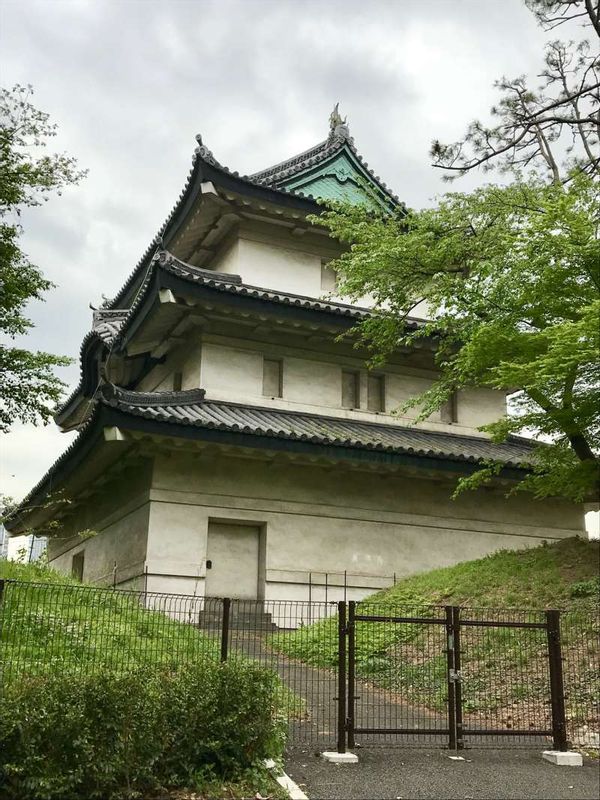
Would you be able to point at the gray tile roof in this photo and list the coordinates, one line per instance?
(109, 324)
(233, 284)
(189, 408)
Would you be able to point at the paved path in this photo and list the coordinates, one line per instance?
(394, 774)
(421, 771)
(318, 687)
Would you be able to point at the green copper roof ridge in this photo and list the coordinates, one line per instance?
(307, 181)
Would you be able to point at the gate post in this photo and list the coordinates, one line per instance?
(450, 672)
(457, 678)
(557, 689)
(351, 677)
(225, 628)
(341, 727)
(455, 719)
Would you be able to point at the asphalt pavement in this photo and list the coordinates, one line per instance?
(407, 774)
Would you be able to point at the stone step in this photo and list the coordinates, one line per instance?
(245, 616)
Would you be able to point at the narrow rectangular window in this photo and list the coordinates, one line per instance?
(350, 389)
(77, 566)
(328, 277)
(177, 381)
(272, 378)
(449, 411)
(376, 393)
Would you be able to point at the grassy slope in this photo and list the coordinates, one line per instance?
(63, 625)
(66, 626)
(410, 659)
(541, 577)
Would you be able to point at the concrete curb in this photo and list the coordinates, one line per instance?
(284, 780)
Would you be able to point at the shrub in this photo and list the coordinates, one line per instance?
(589, 588)
(111, 736)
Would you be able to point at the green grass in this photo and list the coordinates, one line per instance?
(541, 577)
(505, 669)
(62, 625)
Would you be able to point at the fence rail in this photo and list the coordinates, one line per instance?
(351, 673)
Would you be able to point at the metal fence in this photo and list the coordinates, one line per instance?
(462, 676)
(351, 673)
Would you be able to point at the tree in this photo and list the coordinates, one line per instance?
(511, 278)
(510, 275)
(29, 389)
(548, 131)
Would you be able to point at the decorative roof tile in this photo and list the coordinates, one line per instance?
(108, 322)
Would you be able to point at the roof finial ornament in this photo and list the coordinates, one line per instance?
(203, 152)
(338, 127)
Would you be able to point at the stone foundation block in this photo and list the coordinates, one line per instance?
(562, 758)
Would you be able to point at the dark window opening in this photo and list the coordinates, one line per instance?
(376, 393)
(272, 378)
(77, 566)
(350, 389)
(449, 411)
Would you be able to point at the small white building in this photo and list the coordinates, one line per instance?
(231, 445)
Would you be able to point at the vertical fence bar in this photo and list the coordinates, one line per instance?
(457, 678)
(341, 722)
(451, 671)
(557, 689)
(225, 628)
(1, 589)
(351, 675)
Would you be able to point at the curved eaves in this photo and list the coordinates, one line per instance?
(91, 350)
(64, 465)
(205, 169)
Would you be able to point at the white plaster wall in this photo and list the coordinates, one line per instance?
(330, 520)
(281, 267)
(183, 359)
(235, 373)
(231, 371)
(401, 388)
(481, 406)
(276, 259)
(118, 516)
(228, 259)
(314, 382)
(192, 364)
(121, 540)
(176, 553)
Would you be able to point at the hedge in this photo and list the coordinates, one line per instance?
(108, 735)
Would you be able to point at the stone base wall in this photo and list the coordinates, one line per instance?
(321, 523)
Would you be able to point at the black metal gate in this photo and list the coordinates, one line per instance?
(456, 640)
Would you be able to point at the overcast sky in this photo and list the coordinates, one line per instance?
(131, 83)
